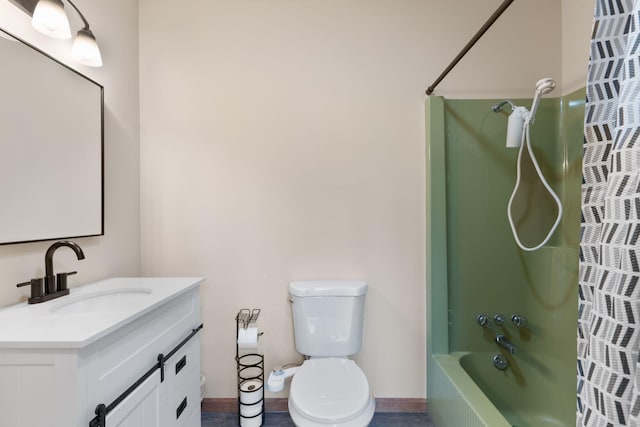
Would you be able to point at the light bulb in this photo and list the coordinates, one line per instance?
(85, 49)
(50, 19)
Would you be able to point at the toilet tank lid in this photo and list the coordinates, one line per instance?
(324, 288)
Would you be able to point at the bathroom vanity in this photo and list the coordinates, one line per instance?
(127, 346)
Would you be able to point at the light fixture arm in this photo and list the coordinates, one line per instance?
(84, 20)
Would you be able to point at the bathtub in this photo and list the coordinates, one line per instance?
(468, 391)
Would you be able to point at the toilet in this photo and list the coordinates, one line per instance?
(329, 389)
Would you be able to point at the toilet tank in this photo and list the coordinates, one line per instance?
(328, 317)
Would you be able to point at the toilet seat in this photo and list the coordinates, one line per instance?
(331, 391)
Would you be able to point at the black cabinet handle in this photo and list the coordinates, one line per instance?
(181, 407)
(181, 364)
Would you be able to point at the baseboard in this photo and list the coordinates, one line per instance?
(392, 404)
(279, 404)
(222, 404)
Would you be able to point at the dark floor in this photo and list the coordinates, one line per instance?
(282, 419)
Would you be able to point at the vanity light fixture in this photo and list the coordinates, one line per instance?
(50, 19)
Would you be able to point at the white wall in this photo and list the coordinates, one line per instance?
(577, 19)
(115, 24)
(284, 140)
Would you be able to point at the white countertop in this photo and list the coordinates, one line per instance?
(100, 307)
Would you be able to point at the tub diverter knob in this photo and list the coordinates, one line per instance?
(500, 362)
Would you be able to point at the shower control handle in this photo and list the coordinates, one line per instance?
(519, 321)
(499, 319)
(482, 320)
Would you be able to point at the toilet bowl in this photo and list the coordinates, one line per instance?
(330, 391)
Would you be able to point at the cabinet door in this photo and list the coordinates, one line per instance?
(193, 419)
(141, 408)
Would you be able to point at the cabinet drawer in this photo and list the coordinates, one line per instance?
(181, 404)
(184, 364)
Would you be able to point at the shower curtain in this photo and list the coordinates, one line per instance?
(608, 386)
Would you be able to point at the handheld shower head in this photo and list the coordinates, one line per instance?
(543, 87)
(518, 129)
(520, 116)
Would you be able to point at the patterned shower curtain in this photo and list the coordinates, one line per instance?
(609, 291)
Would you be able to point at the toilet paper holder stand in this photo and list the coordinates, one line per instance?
(250, 370)
(247, 317)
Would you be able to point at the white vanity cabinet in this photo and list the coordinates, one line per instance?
(75, 354)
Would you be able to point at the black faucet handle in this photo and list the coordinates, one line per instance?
(61, 280)
(37, 287)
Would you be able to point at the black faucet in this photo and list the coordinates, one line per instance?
(54, 285)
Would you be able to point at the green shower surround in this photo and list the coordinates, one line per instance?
(474, 265)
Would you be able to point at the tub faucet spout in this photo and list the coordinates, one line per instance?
(505, 343)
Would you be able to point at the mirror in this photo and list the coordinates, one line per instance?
(51, 147)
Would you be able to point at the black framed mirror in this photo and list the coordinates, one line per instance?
(51, 147)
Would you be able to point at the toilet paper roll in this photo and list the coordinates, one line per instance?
(248, 338)
(250, 411)
(251, 422)
(251, 391)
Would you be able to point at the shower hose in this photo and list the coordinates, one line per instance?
(526, 141)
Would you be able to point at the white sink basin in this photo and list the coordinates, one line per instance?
(112, 300)
(89, 312)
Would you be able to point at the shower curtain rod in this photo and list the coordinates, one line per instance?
(493, 18)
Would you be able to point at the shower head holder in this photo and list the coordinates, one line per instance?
(515, 126)
(496, 108)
